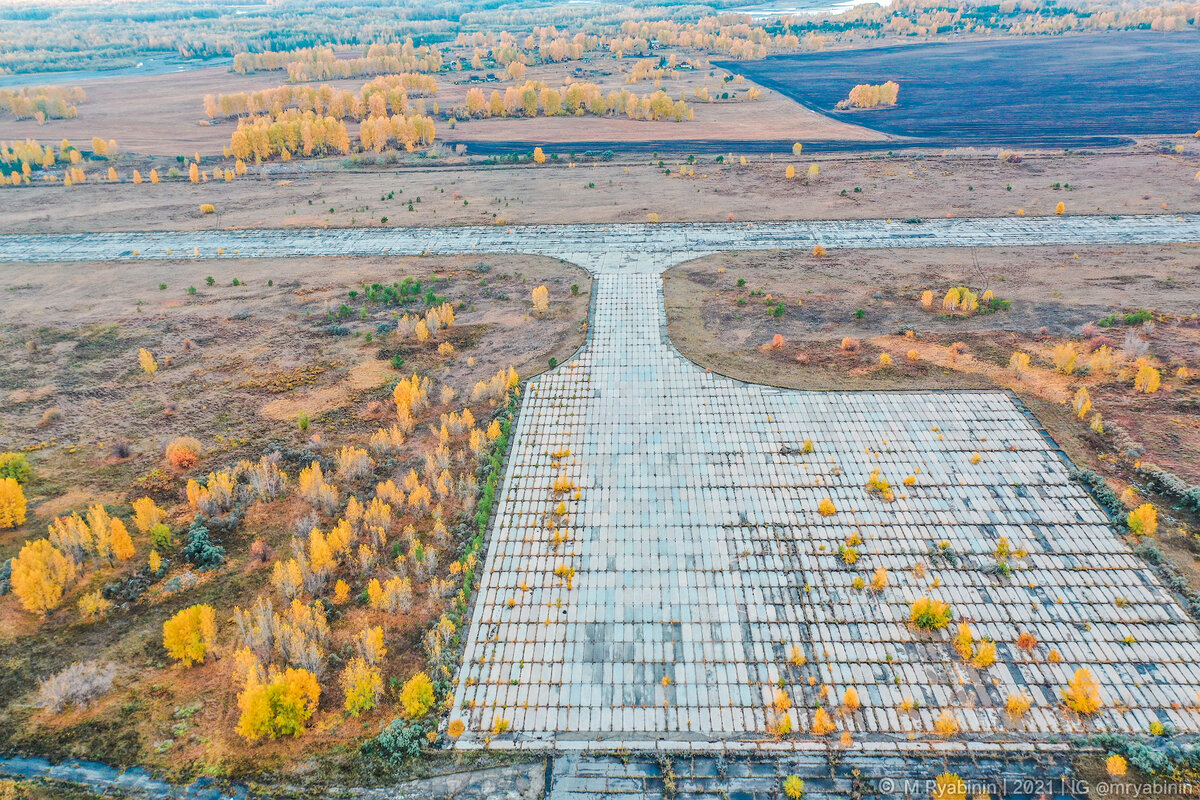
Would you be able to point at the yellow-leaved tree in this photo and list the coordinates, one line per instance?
(362, 684)
(279, 706)
(416, 698)
(541, 299)
(39, 574)
(189, 635)
(12, 503)
(147, 361)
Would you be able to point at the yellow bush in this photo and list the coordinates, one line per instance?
(985, 656)
(1143, 520)
(541, 299)
(457, 728)
(879, 579)
(850, 700)
(822, 723)
(793, 787)
(930, 614)
(1116, 765)
(1018, 704)
(949, 786)
(1019, 363)
(146, 514)
(207, 208)
(1082, 694)
(1064, 357)
(945, 725)
(93, 605)
(964, 642)
(1148, 379)
(1082, 402)
(826, 507)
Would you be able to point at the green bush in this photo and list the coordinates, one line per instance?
(160, 536)
(15, 466)
(398, 741)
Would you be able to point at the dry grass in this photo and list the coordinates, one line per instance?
(235, 381)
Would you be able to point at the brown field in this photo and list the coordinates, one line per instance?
(237, 367)
(170, 110)
(959, 183)
(1057, 295)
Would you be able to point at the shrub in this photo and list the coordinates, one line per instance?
(190, 634)
(1082, 402)
(160, 536)
(1148, 379)
(826, 507)
(15, 466)
(1143, 520)
(94, 605)
(1082, 694)
(985, 656)
(948, 786)
(1018, 704)
(945, 725)
(77, 685)
(793, 787)
(929, 614)
(200, 549)
(456, 728)
(822, 723)
(1064, 357)
(1116, 765)
(146, 514)
(183, 452)
(399, 740)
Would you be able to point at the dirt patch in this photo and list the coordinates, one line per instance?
(421, 191)
(360, 378)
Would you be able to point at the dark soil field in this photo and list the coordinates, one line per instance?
(1016, 92)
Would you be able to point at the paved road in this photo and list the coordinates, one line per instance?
(694, 574)
(563, 240)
